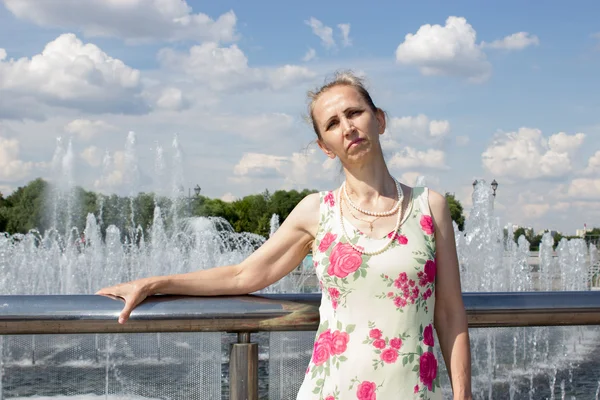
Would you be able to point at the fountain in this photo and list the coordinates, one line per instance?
(115, 246)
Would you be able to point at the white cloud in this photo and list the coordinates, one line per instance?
(87, 129)
(527, 154)
(409, 157)
(12, 168)
(226, 68)
(264, 126)
(345, 31)
(462, 140)
(171, 98)
(228, 197)
(534, 211)
(310, 54)
(92, 155)
(516, 41)
(297, 169)
(412, 178)
(563, 143)
(325, 33)
(445, 50)
(132, 20)
(417, 129)
(73, 74)
(257, 165)
(584, 188)
(593, 166)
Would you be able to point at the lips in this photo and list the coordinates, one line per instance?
(355, 141)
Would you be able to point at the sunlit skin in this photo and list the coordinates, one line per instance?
(342, 117)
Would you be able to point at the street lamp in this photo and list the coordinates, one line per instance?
(197, 190)
(494, 186)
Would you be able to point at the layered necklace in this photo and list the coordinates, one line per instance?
(398, 205)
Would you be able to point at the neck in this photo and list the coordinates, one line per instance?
(370, 182)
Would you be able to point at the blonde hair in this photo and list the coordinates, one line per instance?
(340, 78)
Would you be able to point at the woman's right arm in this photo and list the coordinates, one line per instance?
(276, 258)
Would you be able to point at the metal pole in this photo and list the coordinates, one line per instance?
(243, 369)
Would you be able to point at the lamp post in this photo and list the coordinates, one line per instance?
(494, 186)
(197, 191)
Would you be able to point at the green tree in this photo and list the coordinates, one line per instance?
(3, 213)
(456, 211)
(249, 211)
(592, 236)
(24, 210)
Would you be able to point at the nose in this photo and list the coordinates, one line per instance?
(347, 126)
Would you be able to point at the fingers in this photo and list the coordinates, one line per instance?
(130, 303)
(131, 300)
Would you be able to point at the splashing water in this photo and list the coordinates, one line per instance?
(62, 260)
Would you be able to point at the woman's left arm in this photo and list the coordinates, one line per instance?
(450, 316)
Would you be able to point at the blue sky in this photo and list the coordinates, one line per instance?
(508, 92)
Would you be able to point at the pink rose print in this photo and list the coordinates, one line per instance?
(427, 294)
(344, 260)
(375, 333)
(339, 342)
(389, 355)
(416, 389)
(430, 270)
(427, 224)
(428, 335)
(366, 391)
(401, 239)
(396, 343)
(330, 199)
(379, 343)
(427, 369)
(330, 397)
(400, 302)
(327, 240)
(322, 348)
(334, 293)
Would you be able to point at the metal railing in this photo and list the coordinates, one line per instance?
(76, 314)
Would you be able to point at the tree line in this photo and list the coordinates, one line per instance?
(28, 208)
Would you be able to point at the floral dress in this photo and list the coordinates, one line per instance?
(375, 339)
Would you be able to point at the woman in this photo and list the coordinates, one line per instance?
(386, 259)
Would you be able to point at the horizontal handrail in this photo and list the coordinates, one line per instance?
(54, 314)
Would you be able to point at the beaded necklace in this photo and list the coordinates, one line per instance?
(392, 211)
(388, 242)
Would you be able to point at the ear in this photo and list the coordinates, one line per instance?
(325, 149)
(381, 120)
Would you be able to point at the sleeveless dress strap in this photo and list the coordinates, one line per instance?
(423, 200)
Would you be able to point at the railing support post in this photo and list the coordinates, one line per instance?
(243, 369)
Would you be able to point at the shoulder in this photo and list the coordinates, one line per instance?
(438, 204)
(310, 202)
(437, 201)
(305, 216)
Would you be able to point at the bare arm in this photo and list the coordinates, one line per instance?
(450, 316)
(277, 257)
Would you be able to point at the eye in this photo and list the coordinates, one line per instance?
(331, 124)
(354, 113)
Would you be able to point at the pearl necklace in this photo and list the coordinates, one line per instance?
(392, 211)
(360, 249)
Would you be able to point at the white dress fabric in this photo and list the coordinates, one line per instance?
(375, 339)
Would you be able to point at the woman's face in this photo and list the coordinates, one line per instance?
(349, 128)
